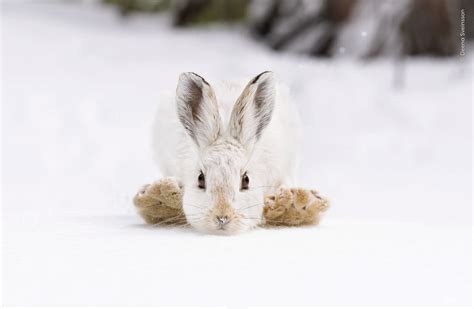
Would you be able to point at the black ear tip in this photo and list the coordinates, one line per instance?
(192, 76)
(256, 78)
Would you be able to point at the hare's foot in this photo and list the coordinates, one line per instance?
(294, 206)
(161, 202)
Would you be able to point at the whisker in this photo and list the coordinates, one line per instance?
(179, 217)
(252, 218)
(256, 187)
(168, 224)
(280, 223)
(251, 206)
(194, 206)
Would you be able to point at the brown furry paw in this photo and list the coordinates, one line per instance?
(161, 202)
(295, 206)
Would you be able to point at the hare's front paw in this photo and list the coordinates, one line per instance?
(294, 206)
(161, 202)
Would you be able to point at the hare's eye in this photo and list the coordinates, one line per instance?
(201, 181)
(245, 182)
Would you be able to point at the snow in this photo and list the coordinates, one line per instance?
(389, 143)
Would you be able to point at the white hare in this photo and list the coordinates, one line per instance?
(224, 148)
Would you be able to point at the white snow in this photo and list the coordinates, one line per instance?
(388, 143)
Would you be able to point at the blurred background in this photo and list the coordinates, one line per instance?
(384, 89)
(327, 28)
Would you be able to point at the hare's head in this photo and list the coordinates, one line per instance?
(222, 194)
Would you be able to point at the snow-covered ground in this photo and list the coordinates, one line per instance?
(389, 143)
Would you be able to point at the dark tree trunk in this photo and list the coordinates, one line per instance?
(418, 27)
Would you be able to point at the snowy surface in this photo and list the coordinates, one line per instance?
(389, 143)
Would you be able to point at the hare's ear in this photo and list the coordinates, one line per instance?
(197, 109)
(253, 110)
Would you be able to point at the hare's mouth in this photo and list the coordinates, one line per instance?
(226, 227)
(221, 223)
(225, 232)
(222, 227)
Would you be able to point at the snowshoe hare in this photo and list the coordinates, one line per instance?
(229, 157)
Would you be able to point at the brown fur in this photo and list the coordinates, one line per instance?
(294, 207)
(161, 203)
(222, 207)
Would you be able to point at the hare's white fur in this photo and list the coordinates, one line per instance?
(215, 147)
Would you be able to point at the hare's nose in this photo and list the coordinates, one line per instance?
(222, 220)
